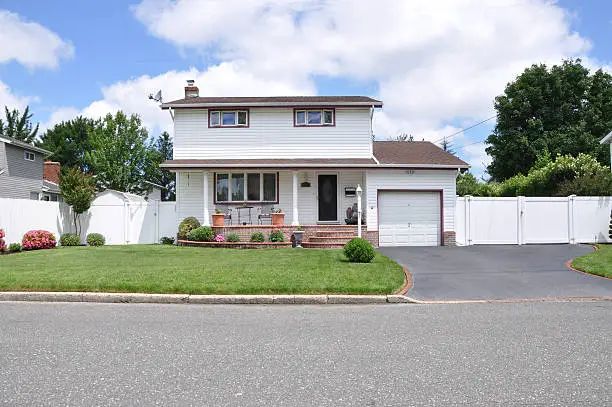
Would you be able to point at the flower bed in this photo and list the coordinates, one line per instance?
(236, 245)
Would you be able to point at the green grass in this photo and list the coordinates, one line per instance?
(599, 262)
(195, 270)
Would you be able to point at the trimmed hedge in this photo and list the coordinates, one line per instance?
(14, 248)
(201, 234)
(95, 239)
(359, 250)
(70, 239)
(187, 225)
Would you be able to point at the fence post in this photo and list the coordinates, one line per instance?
(570, 219)
(467, 220)
(520, 206)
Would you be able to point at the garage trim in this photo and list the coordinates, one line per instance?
(440, 191)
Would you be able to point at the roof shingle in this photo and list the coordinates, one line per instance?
(414, 153)
(276, 101)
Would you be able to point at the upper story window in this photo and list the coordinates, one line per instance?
(315, 117)
(228, 118)
(28, 155)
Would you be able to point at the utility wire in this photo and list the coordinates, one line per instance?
(463, 130)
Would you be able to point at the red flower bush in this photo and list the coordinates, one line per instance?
(38, 239)
(2, 243)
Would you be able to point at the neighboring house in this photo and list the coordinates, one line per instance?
(307, 155)
(51, 174)
(21, 169)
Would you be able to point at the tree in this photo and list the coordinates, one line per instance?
(467, 184)
(18, 126)
(119, 156)
(561, 110)
(78, 192)
(164, 147)
(69, 141)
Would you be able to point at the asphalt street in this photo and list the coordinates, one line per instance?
(464, 354)
(497, 272)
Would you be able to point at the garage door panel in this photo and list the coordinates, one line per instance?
(409, 219)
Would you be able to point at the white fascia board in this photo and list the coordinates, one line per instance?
(381, 166)
(26, 146)
(607, 139)
(268, 104)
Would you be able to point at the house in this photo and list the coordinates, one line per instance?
(608, 140)
(51, 174)
(21, 169)
(307, 155)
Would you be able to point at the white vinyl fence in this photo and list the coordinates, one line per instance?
(525, 220)
(122, 223)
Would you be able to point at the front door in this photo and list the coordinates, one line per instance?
(328, 198)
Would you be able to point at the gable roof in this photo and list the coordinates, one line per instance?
(24, 145)
(607, 139)
(274, 101)
(414, 153)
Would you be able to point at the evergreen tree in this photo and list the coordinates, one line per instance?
(18, 126)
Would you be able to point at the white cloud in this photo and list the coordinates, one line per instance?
(11, 100)
(230, 78)
(30, 43)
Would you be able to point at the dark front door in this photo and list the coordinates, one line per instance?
(328, 198)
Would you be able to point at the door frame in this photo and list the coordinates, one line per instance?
(337, 197)
(441, 191)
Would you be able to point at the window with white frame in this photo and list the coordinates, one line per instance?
(246, 187)
(228, 118)
(314, 117)
(28, 155)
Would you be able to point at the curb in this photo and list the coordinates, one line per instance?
(510, 301)
(138, 298)
(568, 264)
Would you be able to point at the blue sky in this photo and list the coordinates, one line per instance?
(437, 65)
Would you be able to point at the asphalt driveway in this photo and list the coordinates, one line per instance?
(497, 272)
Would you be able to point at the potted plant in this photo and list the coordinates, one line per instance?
(218, 218)
(278, 218)
(298, 235)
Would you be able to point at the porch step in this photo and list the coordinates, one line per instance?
(335, 233)
(311, 245)
(340, 239)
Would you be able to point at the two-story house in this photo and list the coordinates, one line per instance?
(308, 155)
(21, 169)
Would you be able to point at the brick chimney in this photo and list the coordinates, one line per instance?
(51, 171)
(191, 91)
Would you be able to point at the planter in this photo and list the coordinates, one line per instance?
(278, 219)
(218, 219)
(299, 234)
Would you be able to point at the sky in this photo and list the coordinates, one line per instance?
(436, 64)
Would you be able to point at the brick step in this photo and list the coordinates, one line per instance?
(330, 239)
(334, 233)
(310, 245)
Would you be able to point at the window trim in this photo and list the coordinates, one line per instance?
(245, 172)
(26, 152)
(235, 126)
(321, 109)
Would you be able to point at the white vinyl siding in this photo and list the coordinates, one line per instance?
(409, 218)
(380, 179)
(272, 134)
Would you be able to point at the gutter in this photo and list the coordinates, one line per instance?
(25, 146)
(269, 104)
(331, 165)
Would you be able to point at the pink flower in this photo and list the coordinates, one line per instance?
(220, 238)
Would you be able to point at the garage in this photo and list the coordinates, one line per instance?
(409, 218)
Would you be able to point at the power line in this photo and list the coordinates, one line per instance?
(466, 129)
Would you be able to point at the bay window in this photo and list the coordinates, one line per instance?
(246, 187)
(314, 117)
(228, 118)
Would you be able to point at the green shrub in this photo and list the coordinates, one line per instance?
(201, 234)
(359, 250)
(166, 240)
(70, 239)
(232, 237)
(277, 236)
(14, 248)
(258, 237)
(187, 225)
(95, 239)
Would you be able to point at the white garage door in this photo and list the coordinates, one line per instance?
(409, 218)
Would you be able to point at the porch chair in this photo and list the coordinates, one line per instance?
(264, 213)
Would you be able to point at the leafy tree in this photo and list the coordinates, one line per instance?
(467, 184)
(78, 192)
(164, 147)
(119, 154)
(561, 110)
(18, 126)
(69, 141)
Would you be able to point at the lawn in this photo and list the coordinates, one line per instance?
(599, 262)
(195, 270)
